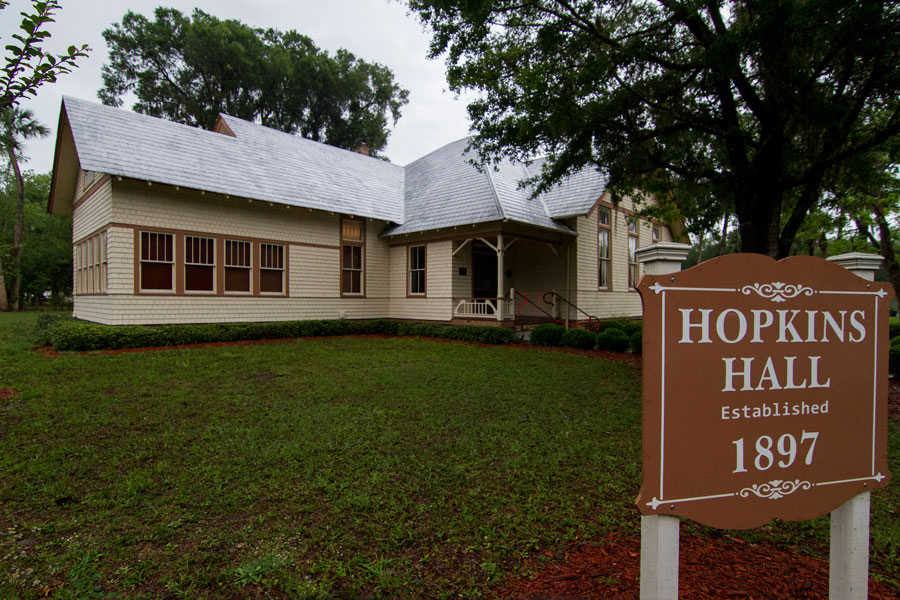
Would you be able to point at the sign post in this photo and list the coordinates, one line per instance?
(765, 387)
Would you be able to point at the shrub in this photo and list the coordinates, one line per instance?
(548, 334)
(613, 340)
(73, 335)
(579, 338)
(894, 360)
(894, 327)
(45, 324)
(629, 326)
(637, 342)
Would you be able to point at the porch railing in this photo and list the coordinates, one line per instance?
(484, 307)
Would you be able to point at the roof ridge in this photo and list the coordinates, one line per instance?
(490, 179)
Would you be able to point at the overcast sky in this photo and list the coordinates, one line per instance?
(374, 30)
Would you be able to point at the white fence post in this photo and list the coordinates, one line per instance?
(848, 577)
(659, 533)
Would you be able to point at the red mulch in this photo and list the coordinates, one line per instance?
(710, 569)
(7, 393)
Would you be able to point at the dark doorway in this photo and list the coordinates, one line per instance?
(484, 271)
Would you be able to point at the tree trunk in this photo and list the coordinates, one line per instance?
(18, 231)
(4, 305)
(886, 246)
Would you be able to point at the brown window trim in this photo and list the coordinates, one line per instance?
(219, 274)
(609, 244)
(424, 270)
(91, 264)
(361, 243)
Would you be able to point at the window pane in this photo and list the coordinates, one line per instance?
(156, 276)
(604, 274)
(356, 282)
(357, 257)
(603, 216)
(237, 279)
(603, 244)
(198, 278)
(351, 230)
(270, 280)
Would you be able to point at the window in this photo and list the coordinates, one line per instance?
(352, 258)
(603, 233)
(656, 232)
(632, 225)
(199, 264)
(237, 266)
(157, 261)
(91, 265)
(271, 268)
(417, 270)
(632, 261)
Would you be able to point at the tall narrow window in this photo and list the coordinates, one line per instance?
(603, 258)
(352, 257)
(632, 261)
(237, 266)
(271, 268)
(199, 264)
(157, 261)
(417, 270)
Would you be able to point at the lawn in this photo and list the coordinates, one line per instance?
(320, 468)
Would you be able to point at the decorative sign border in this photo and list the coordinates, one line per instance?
(776, 291)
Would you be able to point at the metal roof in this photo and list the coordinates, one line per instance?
(439, 190)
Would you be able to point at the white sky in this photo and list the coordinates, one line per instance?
(375, 30)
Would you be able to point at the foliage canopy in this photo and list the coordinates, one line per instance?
(188, 69)
(746, 106)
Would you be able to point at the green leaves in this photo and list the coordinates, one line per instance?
(27, 65)
(189, 69)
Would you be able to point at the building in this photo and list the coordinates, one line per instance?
(173, 224)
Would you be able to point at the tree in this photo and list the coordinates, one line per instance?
(189, 69)
(17, 125)
(28, 66)
(46, 263)
(759, 102)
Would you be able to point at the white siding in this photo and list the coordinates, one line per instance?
(93, 213)
(438, 301)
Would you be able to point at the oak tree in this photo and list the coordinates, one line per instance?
(189, 69)
(755, 103)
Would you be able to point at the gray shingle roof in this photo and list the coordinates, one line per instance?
(441, 189)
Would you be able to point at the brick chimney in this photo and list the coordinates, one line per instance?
(361, 146)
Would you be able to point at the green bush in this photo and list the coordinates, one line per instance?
(894, 327)
(894, 360)
(629, 326)
(547, 334)
(637, 342)
(613, 340)
(73, 335)
(579, 338)
(45, 324)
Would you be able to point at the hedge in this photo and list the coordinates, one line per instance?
(72, 335)
(629, 326)
(613, 340)
(894, 327)
(579, 338)
(637, 342)
(547, 334)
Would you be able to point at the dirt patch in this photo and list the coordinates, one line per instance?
(710, 569)
(7, 393)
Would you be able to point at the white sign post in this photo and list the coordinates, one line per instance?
(848, 577)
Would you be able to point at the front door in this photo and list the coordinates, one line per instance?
(484, 272)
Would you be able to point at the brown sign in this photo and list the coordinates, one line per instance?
(765, 390)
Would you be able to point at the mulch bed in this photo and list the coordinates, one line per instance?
(710, 569)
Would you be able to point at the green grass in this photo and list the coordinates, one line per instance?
(319, 468)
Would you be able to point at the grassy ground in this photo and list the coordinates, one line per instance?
(319, 468)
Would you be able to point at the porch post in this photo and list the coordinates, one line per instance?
(500, 254)
(848, 577)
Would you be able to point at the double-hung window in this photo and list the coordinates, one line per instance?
(271, 268)
(352, 257)
(238, 266)
(157, 261)
(603, 247)
(199, 264)
(417, 270)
